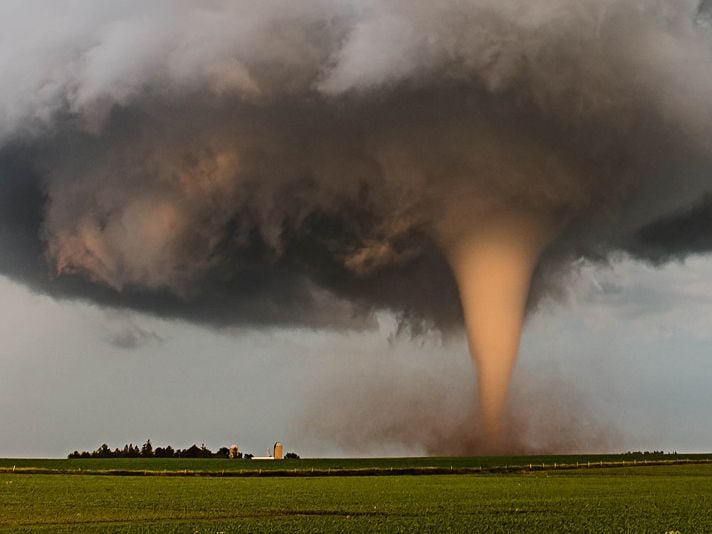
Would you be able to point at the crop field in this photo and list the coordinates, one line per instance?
(637, 498)
(322, 466)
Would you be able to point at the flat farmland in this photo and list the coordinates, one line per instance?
(658, 498)
(326, 466)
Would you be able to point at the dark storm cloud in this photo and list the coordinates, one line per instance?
(677, 235)
(271, 163)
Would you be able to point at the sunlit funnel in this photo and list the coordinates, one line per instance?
(493, 257)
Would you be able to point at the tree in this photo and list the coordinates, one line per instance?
(147, 449)
(291, 456)
(196, 452)
(164, 452)
(102, 452)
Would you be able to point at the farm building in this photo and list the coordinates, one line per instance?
(277, 453)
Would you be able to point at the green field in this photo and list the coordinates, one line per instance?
(659, 498)
(321, 465)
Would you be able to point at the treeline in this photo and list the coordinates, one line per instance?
(651, 453)
(147, 451)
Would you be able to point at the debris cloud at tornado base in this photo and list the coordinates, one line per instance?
(308, 164)
(394, 404)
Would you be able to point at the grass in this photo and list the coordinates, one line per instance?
(325, 465)
(630, 499)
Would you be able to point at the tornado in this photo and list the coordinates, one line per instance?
(493, 256)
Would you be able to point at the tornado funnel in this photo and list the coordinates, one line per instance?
(493, 257)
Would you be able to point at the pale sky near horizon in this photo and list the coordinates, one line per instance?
(631, 342)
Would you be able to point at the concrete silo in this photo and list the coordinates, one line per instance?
(278, 452)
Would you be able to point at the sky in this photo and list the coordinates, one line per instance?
(249, 221)
(628, 349)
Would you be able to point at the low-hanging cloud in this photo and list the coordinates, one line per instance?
(290, 163)
(132, 337)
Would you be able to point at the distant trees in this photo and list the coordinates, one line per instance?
(147, 451)
(650, 453)
(166, 452)
(196, 452)
(104, 451)
(129, 451)
(291, 456)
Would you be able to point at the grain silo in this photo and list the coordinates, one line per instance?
(278, 453)
(234, 452)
